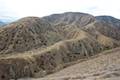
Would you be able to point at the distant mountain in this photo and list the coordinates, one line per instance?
(4, 20)
(1, 23)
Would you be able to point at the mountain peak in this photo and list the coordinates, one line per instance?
(71, 18)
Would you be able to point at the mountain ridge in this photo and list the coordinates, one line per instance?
(41, 46)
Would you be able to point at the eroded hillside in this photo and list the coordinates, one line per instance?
(36, 47)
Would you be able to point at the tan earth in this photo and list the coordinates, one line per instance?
(105, 66)
(36, 47)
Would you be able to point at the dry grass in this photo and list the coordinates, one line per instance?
(52, 58)
(34, 47)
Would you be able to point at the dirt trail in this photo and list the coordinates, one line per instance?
(104, 67)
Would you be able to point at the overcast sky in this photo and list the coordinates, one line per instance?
(23, 8)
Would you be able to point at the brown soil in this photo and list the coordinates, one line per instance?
(106, 66)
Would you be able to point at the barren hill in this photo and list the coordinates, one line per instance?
(23, 35)
(70, 18)
(109, 20)
(105, 66)
(36, 47)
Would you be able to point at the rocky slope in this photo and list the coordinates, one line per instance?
(109, 20)
(104, 66)
(23, 35)
(70, 18)
(36, 47)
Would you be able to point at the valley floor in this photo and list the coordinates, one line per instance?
(105, 66)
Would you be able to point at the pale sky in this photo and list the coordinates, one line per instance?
(23, 8)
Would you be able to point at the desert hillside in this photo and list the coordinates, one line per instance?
(35, 47)
(105, 66)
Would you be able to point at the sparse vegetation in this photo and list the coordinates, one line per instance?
(35, 47)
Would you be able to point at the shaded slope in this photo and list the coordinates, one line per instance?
(104, 29)
(108, 30)
(109, 20)
(103, 38)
